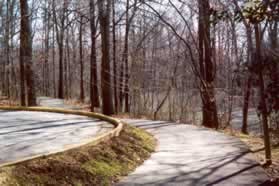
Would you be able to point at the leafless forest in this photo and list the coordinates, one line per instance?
(191, 61)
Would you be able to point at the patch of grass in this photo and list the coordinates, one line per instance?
(102, 164)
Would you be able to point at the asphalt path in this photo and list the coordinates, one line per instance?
(254, 126)
(188, 155)
(185, 155)
(24, 134)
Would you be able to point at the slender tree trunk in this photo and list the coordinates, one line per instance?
(2, 64)
(94, 93)
(244, 129)
(65, 74)
(60, 68)
(46, 55)
(26, 52)
(60, 29)
(7, 49)
(81, 60)
(263, 106)
(13, 69)
(125, 60)
(22, 79)
(249, 79)
(66, 61)
(104, 17)
(115, 75)
(53, 63)
(121, 91)
(67, 67)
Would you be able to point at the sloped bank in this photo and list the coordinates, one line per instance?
(101, 162)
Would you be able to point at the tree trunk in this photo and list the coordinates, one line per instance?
(125, 60)
(263, 106)
(81, 60)
(104, 17)
(7, 49)
(53, 64)
(60, 29)
(94, 93)
(46, 55)
(60, 70)
(244, 129)
(26, 52)
(210, 117)
(115, 75)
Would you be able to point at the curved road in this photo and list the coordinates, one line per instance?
(24, 134)
(185, 155)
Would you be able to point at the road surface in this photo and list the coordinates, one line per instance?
(188, 155)
(24, 134)
(185, 155)
(254, 125)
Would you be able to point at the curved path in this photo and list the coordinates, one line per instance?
(24, 134)
(187, 155)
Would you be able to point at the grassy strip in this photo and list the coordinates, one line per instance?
(102, 164)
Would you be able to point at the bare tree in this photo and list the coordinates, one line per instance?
(60, 27)
(263, 105)
(81, 59)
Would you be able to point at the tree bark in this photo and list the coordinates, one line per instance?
(104, 17)
(115, 75)
(125, 60)
(263, 105)
(210, 115)
(46, 55)
(94, 92)
(53, 64)
(249, 79)
(60, 29)
(81, 60)
(26, 52)
(244, 128)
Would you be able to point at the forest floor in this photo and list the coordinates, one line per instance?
(256, 145)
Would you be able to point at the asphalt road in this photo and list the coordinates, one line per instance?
(24, 134)
(188, 155)
(185, 155)
(254, 125)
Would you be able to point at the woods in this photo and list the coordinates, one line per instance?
(187, 61)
